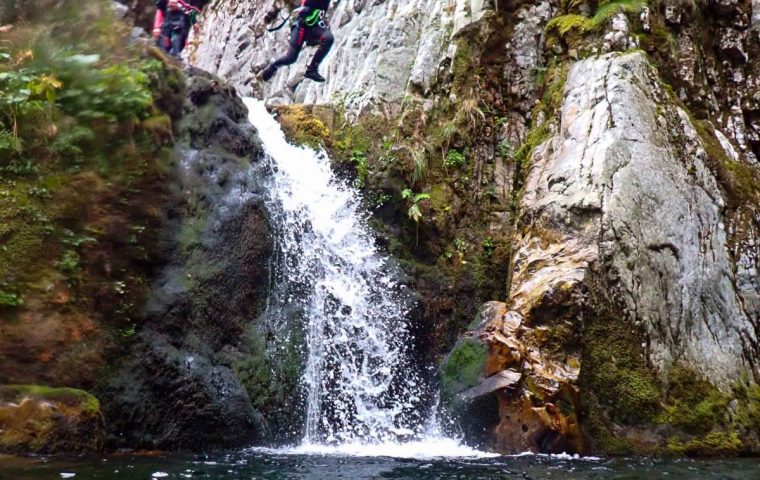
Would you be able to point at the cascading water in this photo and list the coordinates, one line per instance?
(362, 388)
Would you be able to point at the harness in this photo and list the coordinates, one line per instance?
(316, 16)
(190, 10)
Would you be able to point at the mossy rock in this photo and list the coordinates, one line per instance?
(720, 443)
(38, 419)
(464, 367)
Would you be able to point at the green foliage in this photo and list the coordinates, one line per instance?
(713, 444)
(420, 162)
(748, 412)
(359, 159)
(535, 137)
(69, 262)
(413, 200)
(9, 143)
(70, 142)
(71, 239)
(54, 100)
(10, 299)
(454, 159)
(572, 25)
(504, 149)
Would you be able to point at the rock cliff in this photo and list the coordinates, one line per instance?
(597, 160)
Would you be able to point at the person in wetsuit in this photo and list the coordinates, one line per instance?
(173, 21)
(310, 28)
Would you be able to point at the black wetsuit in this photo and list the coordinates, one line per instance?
(176, 26)
(310, 28)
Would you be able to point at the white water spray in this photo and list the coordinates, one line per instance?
(363, 390)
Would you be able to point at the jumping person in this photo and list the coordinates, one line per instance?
(311, 28)
(173, 21)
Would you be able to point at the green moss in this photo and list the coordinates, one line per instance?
(302, 127)
(748, 412)
(739, 180)
(191, 233)
(572, 27)
(713, 444)
(535, 137)
(271, 376)
(462, 65)
(618, 384)
(464, 366)
(71, 396)
(693, 405)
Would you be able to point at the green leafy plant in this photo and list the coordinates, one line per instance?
(414, 212)
(460, 246)
(454, 159)
(10, 299)
(381, 199)
(580, 25)
(359, 159)
(504, 149)
(71, 239)
(69, 262)
(414, 199)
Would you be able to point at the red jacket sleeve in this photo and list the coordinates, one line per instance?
(159, 19)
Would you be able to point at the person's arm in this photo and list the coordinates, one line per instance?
(158, 20)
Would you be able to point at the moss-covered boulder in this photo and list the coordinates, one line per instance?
(509, 390)
(44, 420)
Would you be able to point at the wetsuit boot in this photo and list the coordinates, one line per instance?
(313, 74)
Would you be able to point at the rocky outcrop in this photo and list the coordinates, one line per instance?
(629, 180)
(622, 218)
(380, 49)
(42, 420)
(181, 385)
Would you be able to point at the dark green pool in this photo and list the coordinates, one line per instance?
(256, 464)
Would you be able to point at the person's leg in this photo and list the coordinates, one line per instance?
(176, 32)
(179, 37)
(164, 41)
(297, 37)
(326, 40)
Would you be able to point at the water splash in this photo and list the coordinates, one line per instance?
(361, 385)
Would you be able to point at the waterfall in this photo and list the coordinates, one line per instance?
(361, 385)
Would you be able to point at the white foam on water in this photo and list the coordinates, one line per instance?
(424, 449)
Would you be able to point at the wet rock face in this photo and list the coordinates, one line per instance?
(44, 420)
(594, 187)
(178, 387)
(380, 47)
(622, 218)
